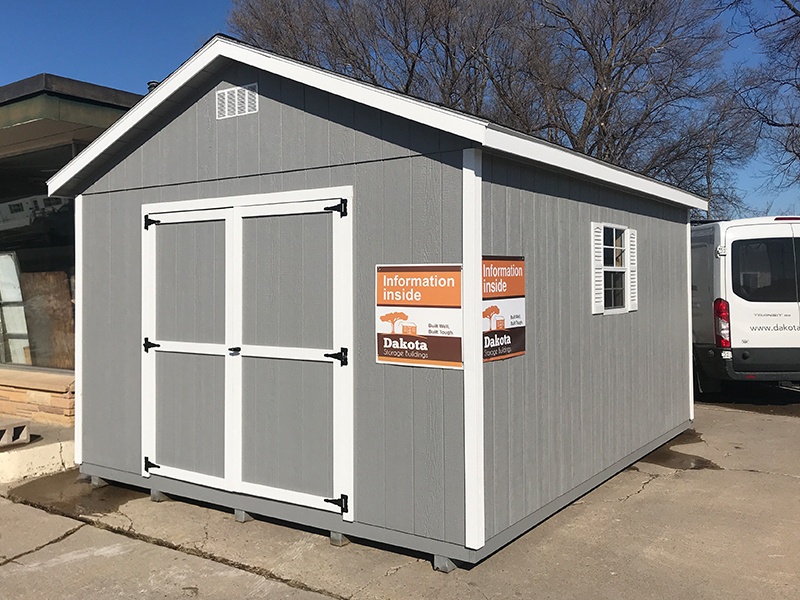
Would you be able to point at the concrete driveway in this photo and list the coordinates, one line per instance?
(714, 514)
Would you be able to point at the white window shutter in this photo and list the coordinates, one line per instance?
(633, 272)
(598, 302)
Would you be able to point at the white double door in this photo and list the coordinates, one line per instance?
(246, 327)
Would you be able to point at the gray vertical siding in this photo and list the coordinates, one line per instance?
(590, 389)
(288, 424)
(288, 281)
(407, 182)
(190, 413)
(190, 282)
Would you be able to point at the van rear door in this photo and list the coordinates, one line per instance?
(762, 291)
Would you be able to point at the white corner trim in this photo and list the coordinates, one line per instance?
(78, 207)
(474, 501)
(585, 167)
(690, 374)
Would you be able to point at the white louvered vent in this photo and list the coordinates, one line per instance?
(237, 101)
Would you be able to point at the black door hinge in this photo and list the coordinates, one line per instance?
(148, 464)
(148, 344)
(341, 208)
(235, 351)
(341, 502)
(341, 356)
(148, 221)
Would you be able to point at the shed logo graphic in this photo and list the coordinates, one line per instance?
(503, 307)
(418, 317)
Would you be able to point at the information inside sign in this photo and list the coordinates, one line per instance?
(418, 318)
(503, 307)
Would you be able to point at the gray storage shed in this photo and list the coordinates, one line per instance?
(230, 231)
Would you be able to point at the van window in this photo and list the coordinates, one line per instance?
(764, 270)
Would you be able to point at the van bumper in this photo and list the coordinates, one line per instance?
(749, 364)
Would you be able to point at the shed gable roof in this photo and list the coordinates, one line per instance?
(221, 50)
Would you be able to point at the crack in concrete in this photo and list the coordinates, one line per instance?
(200, 546)
(652, 477)
(765, 473)
(85, 520)
(60, 538)
(129, 529)
(61, 456)
(389, 572)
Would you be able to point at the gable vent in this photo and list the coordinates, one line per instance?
(237, 101)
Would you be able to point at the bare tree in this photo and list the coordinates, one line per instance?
(432, 49)
(771, 91)
(637, 83)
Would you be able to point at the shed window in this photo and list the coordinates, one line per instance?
(614, 269)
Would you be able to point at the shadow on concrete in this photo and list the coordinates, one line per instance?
(755, 397)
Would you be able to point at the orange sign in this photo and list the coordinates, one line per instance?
(438, 287)
(418, 320)
(503, 278)
(503, 307)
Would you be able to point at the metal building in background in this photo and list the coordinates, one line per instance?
(305, 297)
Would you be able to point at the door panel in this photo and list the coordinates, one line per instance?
(190, 412)
(190, 282)
(287, 280)
(246, 323)
(301, 429)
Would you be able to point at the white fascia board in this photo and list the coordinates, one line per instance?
(567, 160)
(459, 124)
(463, 125)
(130, 119)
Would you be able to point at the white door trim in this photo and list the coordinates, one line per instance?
(233, 210)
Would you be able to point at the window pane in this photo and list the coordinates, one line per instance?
(619, 238)
(614, 289)
(608, 257)
(619, 300)
(764, 270)
(619, 258)
(608, 236)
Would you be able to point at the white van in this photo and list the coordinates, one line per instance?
(746, 301)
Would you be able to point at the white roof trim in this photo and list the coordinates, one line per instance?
(466, 126)
(567, 160)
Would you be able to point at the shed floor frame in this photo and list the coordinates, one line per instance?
(290, 514)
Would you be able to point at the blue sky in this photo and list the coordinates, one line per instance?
(126, 44)
(117, 44)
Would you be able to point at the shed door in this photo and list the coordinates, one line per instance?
(246, 382)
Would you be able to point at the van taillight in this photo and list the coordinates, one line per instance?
(722, 323)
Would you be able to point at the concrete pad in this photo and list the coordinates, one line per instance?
(738, 440)
(287, 553)
(23, 529)
(96, 564)
(686, 535)
(712, 514)
(51, 450)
